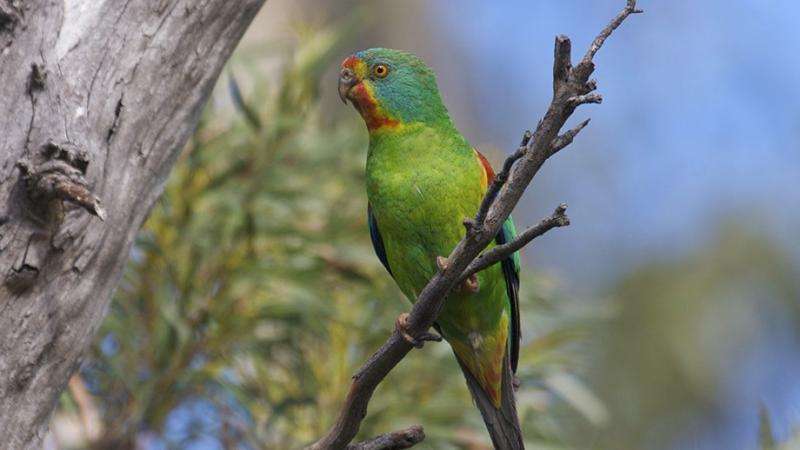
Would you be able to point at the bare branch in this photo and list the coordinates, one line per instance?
(562, 61)
(566, 138)
(497, 184)
(501, 198)
(496, 254)
(392, 441)
(586, 66)
(592, 97)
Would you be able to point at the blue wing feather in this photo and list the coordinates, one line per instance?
(377, 240)
(510, 267)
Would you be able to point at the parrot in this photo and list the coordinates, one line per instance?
(422, 180)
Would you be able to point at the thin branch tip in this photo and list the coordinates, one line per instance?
(632, 7)
(560, 215)
(592, 97)
(401, 439)
(567, 138)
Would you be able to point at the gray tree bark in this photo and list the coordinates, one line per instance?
(97, 98)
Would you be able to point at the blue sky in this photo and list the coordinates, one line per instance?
(700, 121)
(700, 125)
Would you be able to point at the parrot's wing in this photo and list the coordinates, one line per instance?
(380, 249)
(377, 240)
(510, 267)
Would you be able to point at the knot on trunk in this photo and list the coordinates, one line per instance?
(9, 18)
(37, 79)
(60, 176)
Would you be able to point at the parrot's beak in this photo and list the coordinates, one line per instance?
(347, 79)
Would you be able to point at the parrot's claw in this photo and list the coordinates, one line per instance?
(401, 325)
(470, 284)
(515, 383)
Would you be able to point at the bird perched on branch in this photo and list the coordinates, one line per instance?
(423, 180)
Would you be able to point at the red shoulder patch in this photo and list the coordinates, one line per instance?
(487, 168)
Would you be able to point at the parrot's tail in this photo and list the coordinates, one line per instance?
(502, 423)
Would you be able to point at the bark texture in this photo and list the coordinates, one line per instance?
(97, 98)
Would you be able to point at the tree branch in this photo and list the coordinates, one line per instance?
(497, 183)
(566, 138)
(586, 66)
(496, 254)
(592, 97)
(630, 8)
(501, 198)
(392, 441)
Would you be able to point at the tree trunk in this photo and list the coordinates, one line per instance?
(97, 98)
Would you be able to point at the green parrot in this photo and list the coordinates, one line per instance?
(423, 179)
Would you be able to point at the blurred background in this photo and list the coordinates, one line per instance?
(667, 316)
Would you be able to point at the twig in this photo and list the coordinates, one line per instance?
(392, 441)
(498, 253)
(592, 97)
(598, 42)
(523, 165)
(497, 184)
(566, 138)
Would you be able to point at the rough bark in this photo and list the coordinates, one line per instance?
(97, 98)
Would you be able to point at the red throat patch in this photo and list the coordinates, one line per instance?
(363, 99)
(367, 106)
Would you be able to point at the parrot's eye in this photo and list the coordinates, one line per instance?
(380, 71)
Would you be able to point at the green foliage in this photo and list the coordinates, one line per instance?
(253, 295)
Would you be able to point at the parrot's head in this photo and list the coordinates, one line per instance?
(390, 88)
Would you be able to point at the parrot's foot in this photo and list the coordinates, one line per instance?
(442, 263)
(470, 284)
(401, 325)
